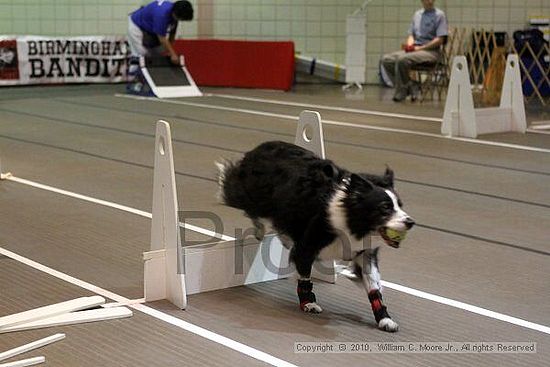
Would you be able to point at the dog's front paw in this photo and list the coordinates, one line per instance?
(311, 307)
(388, 324)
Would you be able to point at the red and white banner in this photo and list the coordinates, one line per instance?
(44, 60)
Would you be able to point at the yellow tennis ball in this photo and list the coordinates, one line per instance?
(395, 235)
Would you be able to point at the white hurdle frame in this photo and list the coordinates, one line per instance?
(173, 272)
(461, 119)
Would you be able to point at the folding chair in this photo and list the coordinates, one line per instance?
(433, 77)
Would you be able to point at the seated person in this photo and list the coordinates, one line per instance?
(426, 34)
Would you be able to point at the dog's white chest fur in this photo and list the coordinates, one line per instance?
(336, 212)
(345, 245)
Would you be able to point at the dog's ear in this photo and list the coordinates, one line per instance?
(360, 182)
(330, 170)
(388, 176)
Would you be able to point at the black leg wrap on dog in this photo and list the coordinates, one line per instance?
(378, 308)
(305, 293)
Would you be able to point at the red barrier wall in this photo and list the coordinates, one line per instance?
(248, 64)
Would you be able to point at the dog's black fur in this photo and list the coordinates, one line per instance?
(293, 188)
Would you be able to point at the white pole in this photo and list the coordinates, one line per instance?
(31, 346)
(77, 304)
(25, 362)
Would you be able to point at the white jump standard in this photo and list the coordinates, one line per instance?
(163, 274)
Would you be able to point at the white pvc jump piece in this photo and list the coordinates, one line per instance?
(71, 318)
(163, 91)
(309, 135)
(77, 304)
(461, 119)
(31, 346)
(163, 273)
(25, 362)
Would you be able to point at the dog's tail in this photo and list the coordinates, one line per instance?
(230, 190)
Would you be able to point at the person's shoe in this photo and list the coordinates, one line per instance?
(135, 88)
(400, 95)
(414, 91)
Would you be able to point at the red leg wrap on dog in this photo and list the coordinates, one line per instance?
(378, 308)
(305, 293)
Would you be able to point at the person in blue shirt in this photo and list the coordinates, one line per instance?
(152, 27)
(427, 33)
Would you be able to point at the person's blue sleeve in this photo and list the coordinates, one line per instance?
(442, 26)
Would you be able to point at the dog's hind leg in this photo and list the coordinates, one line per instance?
(366, 269)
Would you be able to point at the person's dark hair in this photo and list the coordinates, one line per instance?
(183, 10)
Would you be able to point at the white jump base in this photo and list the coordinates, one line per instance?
(462, 119)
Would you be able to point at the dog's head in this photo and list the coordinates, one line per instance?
(372, 205)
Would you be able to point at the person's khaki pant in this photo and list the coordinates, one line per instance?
(399, 63)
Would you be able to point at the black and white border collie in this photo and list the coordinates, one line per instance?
(320, 210)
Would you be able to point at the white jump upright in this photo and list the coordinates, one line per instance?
(462, 119)
(309, 135)
(164, 273)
